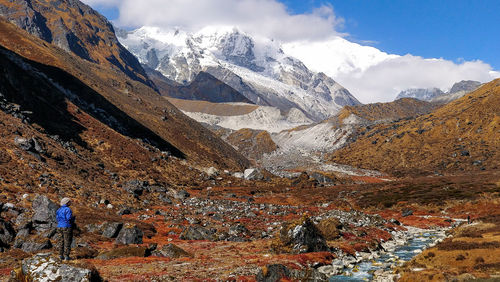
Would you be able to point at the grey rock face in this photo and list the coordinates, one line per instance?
(129, 235)
(136, 187)
(275, 272)
(420, 93)
(32, 244)
(112, 229)
(464, 85)
(44, 217)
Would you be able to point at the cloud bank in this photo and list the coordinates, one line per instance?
(368, 73)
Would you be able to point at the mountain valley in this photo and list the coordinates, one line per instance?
(215, 155)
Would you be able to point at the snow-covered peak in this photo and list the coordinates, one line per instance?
(256, 67)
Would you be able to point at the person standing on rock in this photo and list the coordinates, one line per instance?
(65, 222)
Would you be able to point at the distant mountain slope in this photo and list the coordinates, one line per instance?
(255, 67)
(463, 135)
(74, 27)
(425, 94)
(458, 90)
(133, 100)
(399, 109)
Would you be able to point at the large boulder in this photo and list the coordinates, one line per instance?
(253, 174)
(273, 273)
(194, 232)
(44, 216)
(129, 234)
(171, 251)
(300, 237)
(32, 244)
(330, 228)
(111, 229)
(43, 267)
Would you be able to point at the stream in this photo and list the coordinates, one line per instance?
(379, 265)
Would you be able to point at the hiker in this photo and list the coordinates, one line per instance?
(65, 222)
(468, 219)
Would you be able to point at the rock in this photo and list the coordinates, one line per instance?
(239, 230)
(111, 229)
(406, 212)
(253, 174)
(197, 233)
(212, 172)
(273, 273)
(395, 221)
(303, 237)
(331, 270)
(182, 195)
(42, 267)
(124, 211)
(44, 217)
(32, 244)
(136, 187)
(122, 252)
(165, 199)
(23, 143)
(171, 251)
(129, 234)
(7, 233)
(83, 253)
(239, 175)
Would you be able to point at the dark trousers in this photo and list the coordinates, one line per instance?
(66, 237)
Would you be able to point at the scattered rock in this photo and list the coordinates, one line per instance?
(135, 187)
(182, 195)
(212, 172)
(42, 267)
(253, 174)
(171, 251)
(129, 234)
(197, 233)
(406, 212)
(239, 175)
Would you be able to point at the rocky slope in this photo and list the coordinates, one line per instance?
(462, 135)
(135, 100)
(74, 27)
(425, 94)
(255, 67)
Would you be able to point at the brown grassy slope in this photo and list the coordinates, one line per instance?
(464, 135)
(133, 98)
(402, 108)
(76, 28)
(252, 143)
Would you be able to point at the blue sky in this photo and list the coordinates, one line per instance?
(449, 29)
(455, 30)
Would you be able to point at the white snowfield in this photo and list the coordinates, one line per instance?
(256, 67)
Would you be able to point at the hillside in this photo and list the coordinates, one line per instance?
(133, 99)
(77, 28)
(461, 136)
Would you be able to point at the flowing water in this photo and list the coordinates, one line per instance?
(364, 270)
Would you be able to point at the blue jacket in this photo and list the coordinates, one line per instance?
(64, 217)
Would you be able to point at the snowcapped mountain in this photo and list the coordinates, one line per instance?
(256, 67)
(425, 94)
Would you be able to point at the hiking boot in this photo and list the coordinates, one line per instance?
(61, 257)
(67, 258)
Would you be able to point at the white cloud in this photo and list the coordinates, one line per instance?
(383, 81)
(268, 18)
(370, 74)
